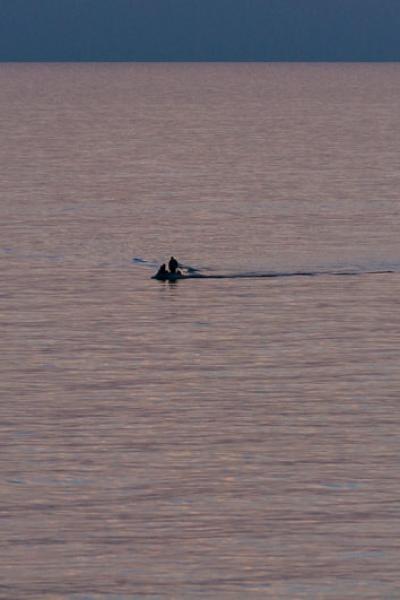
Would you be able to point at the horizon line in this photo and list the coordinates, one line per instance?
(207, 61)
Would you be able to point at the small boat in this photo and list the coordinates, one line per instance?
(173, 274)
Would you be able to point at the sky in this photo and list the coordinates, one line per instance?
(186, 30)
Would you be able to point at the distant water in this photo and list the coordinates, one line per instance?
(226, 438)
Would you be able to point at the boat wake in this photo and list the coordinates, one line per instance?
(190, 272)
(173, 277)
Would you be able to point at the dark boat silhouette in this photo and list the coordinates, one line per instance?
(168, 276)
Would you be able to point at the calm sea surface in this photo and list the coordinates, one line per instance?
(219, 438)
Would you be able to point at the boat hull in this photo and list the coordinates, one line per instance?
(169, 277)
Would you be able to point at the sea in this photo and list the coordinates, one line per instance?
(234, 436)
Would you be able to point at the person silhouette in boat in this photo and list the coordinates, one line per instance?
(173, 265)
(162, 272)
